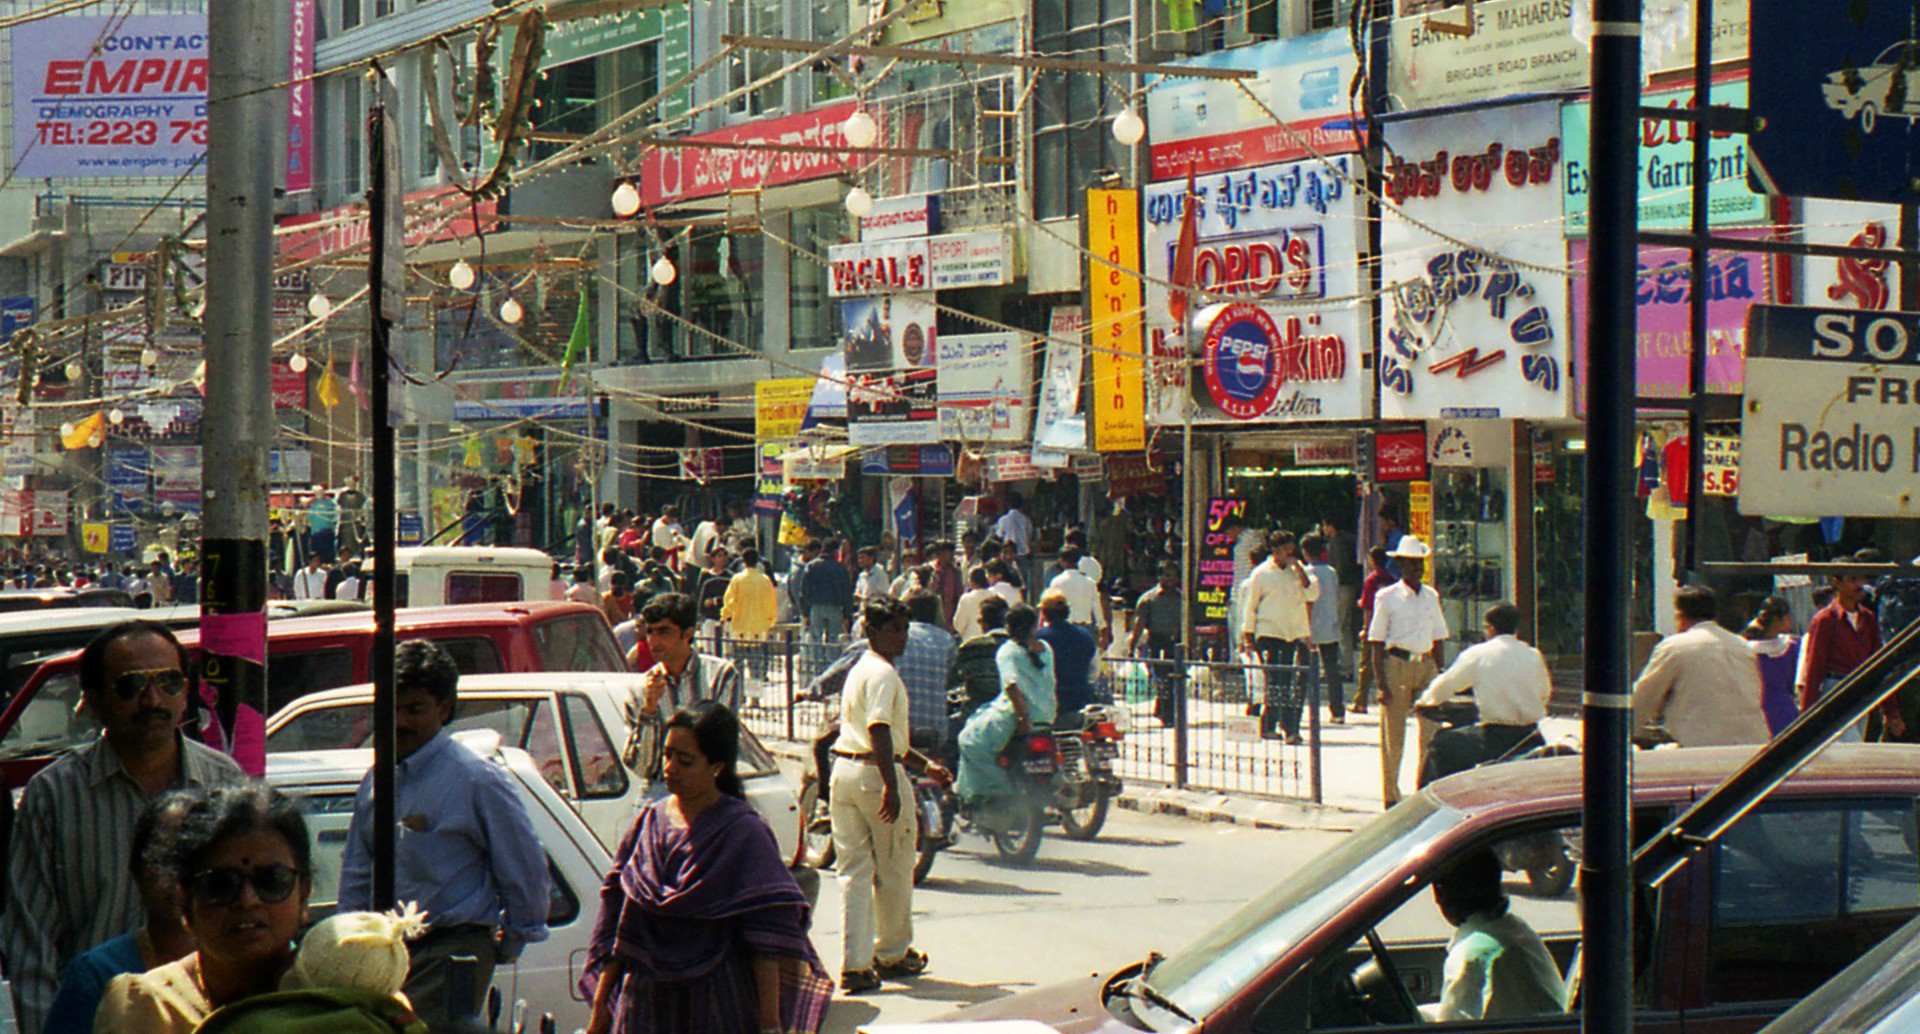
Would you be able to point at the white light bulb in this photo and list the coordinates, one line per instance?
(199, 308)
(1128, 128)
(626, 201)
(511, 312)
(149, 357)
(94, 439)
(859, 129)
(319, 306)
(859, 202)
(66, 429)
(298, 364)
(460, 276)
(663, 272)
(74, 371)
(116, 416)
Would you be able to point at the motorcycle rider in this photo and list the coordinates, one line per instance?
(973, 681)
(1075, 654)
(1510, 685)
(1026, 700)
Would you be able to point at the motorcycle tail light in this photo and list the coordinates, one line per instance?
(1040, 745)
(1106, 731)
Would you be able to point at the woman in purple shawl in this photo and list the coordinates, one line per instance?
(702, 929)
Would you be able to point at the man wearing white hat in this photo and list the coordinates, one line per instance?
(1404, 638)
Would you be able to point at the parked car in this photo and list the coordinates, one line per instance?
(1878, 994)
(574, 726)
(432, 576)
(305, 655)
(325, 782)
(1819, 872)
(62, 598)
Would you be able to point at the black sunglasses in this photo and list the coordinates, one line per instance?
(169, 681)
(272, 884)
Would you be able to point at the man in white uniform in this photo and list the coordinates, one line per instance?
(1404, 639)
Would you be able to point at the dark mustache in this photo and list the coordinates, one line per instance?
(153, 712)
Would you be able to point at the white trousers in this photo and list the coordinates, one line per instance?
(876, 861)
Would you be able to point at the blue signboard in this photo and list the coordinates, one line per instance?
(16, 311)
(1836, 85)
(127, 468)
(412, 529)
(121, 539)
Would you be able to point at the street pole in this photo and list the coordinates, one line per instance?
(246, 127)
(386, 294)
(1606, 865)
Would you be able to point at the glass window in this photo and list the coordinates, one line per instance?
(756, 18)
(1070, 132)
(567, 95)
(52, 721)
(720, 292)
(1801, 890)
(473, 656)
(828, 22)
(525, 723)
(596, 760)
(484, 587)
(338, 727)
(813, 317)
(291, 675)
(579, 642)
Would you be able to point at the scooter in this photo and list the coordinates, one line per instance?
(1548, 858)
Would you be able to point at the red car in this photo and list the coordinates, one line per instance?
(305, 655)
(1811, 879)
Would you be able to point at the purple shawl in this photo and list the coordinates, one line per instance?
(680, 903)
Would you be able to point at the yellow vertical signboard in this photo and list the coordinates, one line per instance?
(1116, 321)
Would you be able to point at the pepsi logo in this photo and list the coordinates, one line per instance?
(1238, 356)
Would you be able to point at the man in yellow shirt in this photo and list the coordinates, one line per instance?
(749, 611)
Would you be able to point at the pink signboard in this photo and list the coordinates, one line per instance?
(669, 174)
(1735, 281)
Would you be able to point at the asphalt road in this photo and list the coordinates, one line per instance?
(1149, 883)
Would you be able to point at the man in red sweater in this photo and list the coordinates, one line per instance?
(1839, 639)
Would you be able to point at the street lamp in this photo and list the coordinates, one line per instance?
(319, 306)
(511, 312)
(1128, 127)
(298, 364)
(460, 276)
(663, 271)
(626, 201)
(859, 202)
(859, 129)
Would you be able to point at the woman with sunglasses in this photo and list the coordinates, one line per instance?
(244, 859)
(702, 929)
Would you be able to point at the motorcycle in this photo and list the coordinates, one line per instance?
(933, 802)
(1548, 858)
(1016, 823)
(1084, 759)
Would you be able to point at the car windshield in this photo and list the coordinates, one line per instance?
(1213, 969)
(1876, 994)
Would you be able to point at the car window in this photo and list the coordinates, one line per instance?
(292, 675)
(334, 727)
(525, 722)
(328, 818)
(1802, 889)
(475, 656)
(484, 587)
(597, 767)
(577, 642)
(52, 721)
(402, 586)
(755, 760)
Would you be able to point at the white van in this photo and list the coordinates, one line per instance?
(432, 576)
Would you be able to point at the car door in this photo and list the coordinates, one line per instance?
(608, 796)
(1792, 894)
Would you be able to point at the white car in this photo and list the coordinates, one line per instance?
(325, 782)
(1888, 85)
(573, 724)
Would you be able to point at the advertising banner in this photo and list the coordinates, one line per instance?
(94, 537)
(121, 538)
(669, 174)
(289, 387)
(982, 258)
(1475, 330)
(771, 484)
(1213, 570)
(779, 407)
(909, 215)
(891, 352)
(927, 461)
(1059, 427)
(1666, 166)
(300, 98)
(985, 387)
(49, 513)
(109, 96)
(1848, 283)
(1118, 391)
(529, 397)
(1271, 238)
(176, 476)
(1828, 424)
(127, 469)
(1736, 281)
(1212, 125)
(1400, 456)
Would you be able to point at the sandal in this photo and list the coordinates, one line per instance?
(859, 981)
(912, 964)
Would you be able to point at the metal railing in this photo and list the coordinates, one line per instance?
(1190, 725)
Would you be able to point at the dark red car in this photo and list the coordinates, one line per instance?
(1815, 876)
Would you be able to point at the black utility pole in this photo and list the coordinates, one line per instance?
(386, 298)
(1606, 1004)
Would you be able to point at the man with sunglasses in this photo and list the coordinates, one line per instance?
(467, 853)
(67, 888)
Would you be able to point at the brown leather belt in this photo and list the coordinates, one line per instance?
(1394, 651)
(864, 757)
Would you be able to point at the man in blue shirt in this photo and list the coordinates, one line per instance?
(923, 667)
(1323, 614)
(467, 855)
(1074, 653)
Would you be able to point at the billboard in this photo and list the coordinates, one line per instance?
(891, 351)
(109, 96)
(1212, 125)
(1117, 339)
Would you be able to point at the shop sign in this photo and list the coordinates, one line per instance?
(673, 174)
(1720, 469)
(779, 407)
(1850, 283)
(1213, 571)
(1059, 427)
(33, 512)
(438, 214)
(981, 258)
(1399, 456)
(1736, 281)
(121, 538)
(127, 470)
(124, 277)
(522, 399)
(1452, 447)
(1271, 239)
(943, 19)
(1330, 452)
(176, 476)
(1475, 331)
(770, 486)
(890, 349)
(809, 464)
(910, 215)
(1013, 466)
(1136, 474)
(928, 461)
(303, 18)
(1212, 125)
(985, 387)
(1521, 46)
(1420, 510)
(94, 537)
(1114, 292)
(1666, 166)
(16, 311)
(1829, 424)
(290, 466)
(289, 387)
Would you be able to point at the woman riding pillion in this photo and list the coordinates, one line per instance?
(1026, 701)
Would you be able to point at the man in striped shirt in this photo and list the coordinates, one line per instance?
(67, 886)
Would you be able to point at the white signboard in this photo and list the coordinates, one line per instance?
(985, 387)
(1476, 330)
(49, 513)
(1059, 427)
(109, 96)
(1829, 423)
(982, 258)
(1273, 240)
(1849, 283)
(910, 215)
(1213, 125)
